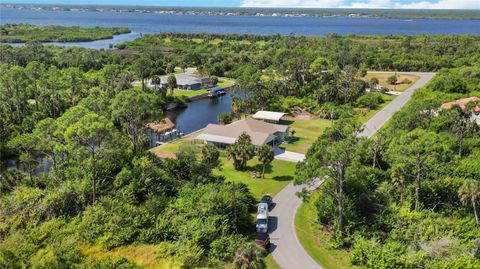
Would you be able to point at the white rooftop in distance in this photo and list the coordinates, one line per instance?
(268, 115)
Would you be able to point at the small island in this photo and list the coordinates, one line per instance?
(20, 33)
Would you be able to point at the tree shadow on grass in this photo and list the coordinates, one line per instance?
(282, 178)
(259, 167)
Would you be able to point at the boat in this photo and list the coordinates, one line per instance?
(216, 91)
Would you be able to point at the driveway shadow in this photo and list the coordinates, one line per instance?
(272, 247)
(272, 224)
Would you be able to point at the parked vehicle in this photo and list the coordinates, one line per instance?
(262, 219)
(267, 199)
(262, 240)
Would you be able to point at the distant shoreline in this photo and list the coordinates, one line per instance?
(261, 12)
(22, 33)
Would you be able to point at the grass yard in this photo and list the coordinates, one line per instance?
(277, 175)
(400, 87)
(307, 132)
(188, 93)
(145, 256)
(316, 241)
(224, 82)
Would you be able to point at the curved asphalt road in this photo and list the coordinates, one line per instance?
(286, 249)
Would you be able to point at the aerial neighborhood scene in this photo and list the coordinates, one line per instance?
(240, 134)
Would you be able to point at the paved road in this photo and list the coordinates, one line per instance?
(377, 121)
(286, 249)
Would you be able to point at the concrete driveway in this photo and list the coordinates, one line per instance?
(288, 156)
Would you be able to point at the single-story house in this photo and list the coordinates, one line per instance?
(260, 132)
(184, 81)
(462, 103)
(269, 116)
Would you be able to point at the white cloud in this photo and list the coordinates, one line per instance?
(442, 4)
(293, 3)
(438, 4)
(369, 4)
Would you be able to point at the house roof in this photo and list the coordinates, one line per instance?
(182, 79)
(160, 127)
(462, 103)
(268, 115)
(260, 132)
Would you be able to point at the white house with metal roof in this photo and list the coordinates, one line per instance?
(184, 81)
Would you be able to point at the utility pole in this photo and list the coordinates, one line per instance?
(395, 83)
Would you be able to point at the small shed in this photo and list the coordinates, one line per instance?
(269, 116)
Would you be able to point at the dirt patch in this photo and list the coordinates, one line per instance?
(301, 114)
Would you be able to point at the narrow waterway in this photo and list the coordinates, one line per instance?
(196, 116)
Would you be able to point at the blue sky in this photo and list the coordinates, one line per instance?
(416, 4)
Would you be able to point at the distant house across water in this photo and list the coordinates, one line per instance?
(185, 81)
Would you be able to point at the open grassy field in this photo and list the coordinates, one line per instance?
(143, 255)
(306, 132)
(400, 87)
(315, 240)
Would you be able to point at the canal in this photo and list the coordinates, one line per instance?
(196, 116)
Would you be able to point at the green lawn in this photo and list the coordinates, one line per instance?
(277, 175)
(315, 240)
(188, 93)
(224, 82)
(307, 132)
(171, 147)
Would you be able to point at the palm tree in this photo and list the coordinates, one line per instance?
(172, 83)
(156, 80)
(265, 156)
(470, 192)
(245, 149)
(237, 106)
(231, 154)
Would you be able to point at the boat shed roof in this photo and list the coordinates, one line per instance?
(268, 115)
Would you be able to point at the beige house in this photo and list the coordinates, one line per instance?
(260, 132)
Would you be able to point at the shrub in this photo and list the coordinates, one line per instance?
(370, 100)
(224, 118)
(392, 80)
(406, 81)
(449, 83)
